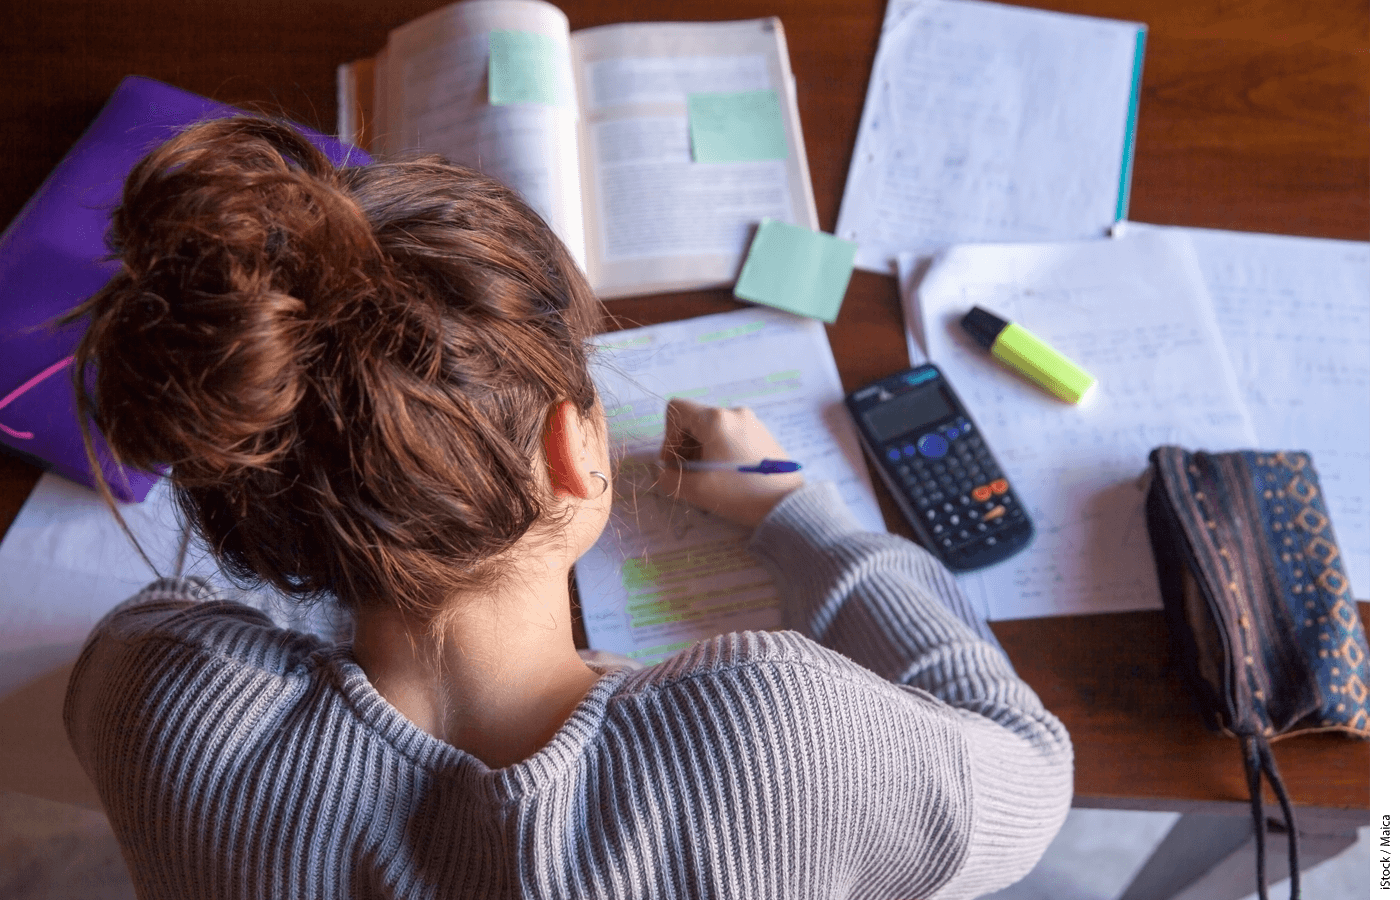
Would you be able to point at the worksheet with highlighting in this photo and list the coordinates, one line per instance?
(666, 574)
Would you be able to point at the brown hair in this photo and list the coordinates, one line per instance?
(348, 371)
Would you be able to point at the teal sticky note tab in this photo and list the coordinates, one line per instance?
(801, 271)
(736, 127)
(523, 69)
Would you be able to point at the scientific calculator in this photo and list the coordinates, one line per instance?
(940, 470)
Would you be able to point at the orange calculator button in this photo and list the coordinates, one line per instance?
(1000, 486)
(982, 493)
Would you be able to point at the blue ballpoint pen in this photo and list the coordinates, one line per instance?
(762, 467)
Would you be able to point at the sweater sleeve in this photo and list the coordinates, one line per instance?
(890, 606)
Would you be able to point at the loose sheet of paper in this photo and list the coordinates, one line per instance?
(67, 563)
(665, 574)
(1135, 314)
(1295, 315)
(986, 122)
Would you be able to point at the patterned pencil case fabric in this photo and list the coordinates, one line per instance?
(1258, 604)
(1256, 593)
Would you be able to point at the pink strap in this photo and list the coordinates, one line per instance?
(17, 392)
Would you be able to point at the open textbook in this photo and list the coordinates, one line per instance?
(665, 574)
(652, 149)
(1212, 340)
(988, 122)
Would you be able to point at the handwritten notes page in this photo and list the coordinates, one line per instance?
(1295, 315)
(1134, 313)
(665, 574)
(986, 122)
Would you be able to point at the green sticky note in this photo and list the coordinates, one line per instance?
(736, 127)
(523, 69)
(801, 271)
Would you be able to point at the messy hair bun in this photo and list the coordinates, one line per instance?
(347, 371)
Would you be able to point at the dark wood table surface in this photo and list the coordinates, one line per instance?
(1254, 116)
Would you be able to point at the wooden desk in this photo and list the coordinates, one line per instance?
(1253, 117)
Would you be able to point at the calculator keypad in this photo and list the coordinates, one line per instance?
(957, 489)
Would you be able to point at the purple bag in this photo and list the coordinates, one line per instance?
(53, 256)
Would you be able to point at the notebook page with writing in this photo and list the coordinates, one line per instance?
(987, 122)
(665, 574)
(1295, 316)
(1135, 314)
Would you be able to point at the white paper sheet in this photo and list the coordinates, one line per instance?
(1295, 316)
(1134, 313)
(666, 574)
(986, 122)
(64, 563)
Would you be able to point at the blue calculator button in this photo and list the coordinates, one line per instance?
(933, 445)
(952, 433)
(893, 454)
(908, 449)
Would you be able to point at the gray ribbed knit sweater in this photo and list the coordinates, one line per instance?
(885, 751)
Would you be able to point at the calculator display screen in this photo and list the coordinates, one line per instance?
(923, 406)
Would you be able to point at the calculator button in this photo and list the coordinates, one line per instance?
(982, 493)
(1000, 486)
(908, 450)
(893, 454)
(933, 445)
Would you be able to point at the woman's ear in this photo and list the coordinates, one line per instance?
(567, 451)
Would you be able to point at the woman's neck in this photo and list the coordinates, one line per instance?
(499, 681)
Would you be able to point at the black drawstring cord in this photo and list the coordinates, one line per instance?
(1259, 759)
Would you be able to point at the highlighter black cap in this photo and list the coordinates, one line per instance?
(984, 326)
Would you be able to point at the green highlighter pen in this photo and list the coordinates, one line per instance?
(1018, 349)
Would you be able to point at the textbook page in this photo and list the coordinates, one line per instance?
(1295, 315)
(666, 574)
(656, 218)
(985, 122)
(1135, 314)
(431, 93)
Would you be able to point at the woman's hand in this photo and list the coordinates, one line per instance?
(710, 434)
